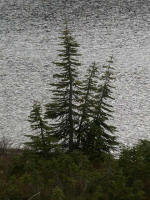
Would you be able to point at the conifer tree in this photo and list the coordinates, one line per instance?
(78, 113)
(87, 103)
(98, 133)
(41, 141)
(66, 90)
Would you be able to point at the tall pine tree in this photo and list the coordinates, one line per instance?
(66, 90)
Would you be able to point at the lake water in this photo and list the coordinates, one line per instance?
(29, 31)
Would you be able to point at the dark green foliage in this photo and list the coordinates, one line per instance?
(42, 141)
(63, 107)
(135, 163)
(72, 176)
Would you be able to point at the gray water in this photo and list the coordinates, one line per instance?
(29, 31)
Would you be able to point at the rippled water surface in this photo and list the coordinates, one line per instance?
(29, 31)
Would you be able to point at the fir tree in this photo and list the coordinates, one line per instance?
(66, 90)
(87, 102)
(42, 141)
(98, 136)
(103, 132)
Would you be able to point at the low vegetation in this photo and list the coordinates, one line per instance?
(75, 176)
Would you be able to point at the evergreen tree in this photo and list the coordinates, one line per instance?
(66, 90)
(98, 135)
(41, 141)
(87, 102)
(103, 112)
